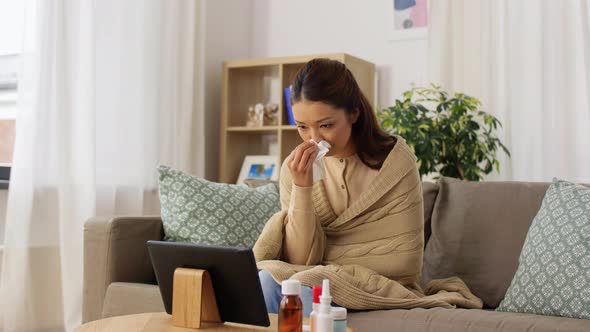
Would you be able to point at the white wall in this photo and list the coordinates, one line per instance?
(228, 37)
(283, 28)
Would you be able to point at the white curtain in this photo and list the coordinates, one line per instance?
(109, 89)
(528, 61)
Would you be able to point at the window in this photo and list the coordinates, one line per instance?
(11, 36)
(8, 95)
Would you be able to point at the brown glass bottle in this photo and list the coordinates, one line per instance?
(291, 308)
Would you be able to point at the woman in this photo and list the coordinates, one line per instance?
(362, 225)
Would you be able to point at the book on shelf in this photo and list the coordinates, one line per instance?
(288, 106)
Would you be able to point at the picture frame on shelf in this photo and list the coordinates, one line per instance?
(406, 19)
(259, 168)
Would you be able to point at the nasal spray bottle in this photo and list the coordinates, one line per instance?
(317, 292)
(324, 321)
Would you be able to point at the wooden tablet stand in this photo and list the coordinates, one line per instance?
(193, 299)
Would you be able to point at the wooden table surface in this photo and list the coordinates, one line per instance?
(162, 322)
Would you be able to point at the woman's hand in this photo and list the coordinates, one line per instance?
(300, 163)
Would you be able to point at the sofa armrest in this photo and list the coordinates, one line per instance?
(115, 251)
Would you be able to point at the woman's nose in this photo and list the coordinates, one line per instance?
(315, 135)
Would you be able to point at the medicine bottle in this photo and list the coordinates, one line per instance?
(291, 307)
(339, 316)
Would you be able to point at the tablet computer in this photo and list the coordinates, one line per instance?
(233, 274)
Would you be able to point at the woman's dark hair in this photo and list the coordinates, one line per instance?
(330, 82)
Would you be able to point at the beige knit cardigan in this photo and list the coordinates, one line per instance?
(380, 231)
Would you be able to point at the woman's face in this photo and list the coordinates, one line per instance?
(320, 121)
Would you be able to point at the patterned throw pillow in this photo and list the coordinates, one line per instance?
(553, 275)
(203, 212)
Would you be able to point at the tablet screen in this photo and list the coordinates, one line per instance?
(233, 274)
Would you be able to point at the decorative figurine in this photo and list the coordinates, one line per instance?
(259, 110)
(271, 112)
(263, 115)
(251, 117)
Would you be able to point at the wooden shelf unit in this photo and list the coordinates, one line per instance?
(247, 82)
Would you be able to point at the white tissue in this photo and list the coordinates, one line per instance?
(318, 164)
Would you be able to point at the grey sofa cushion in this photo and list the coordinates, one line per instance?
(126, 298)
(478, 230)
(457, 320)
(115, 251)
(429, 192)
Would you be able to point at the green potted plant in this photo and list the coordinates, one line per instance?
(450, 136)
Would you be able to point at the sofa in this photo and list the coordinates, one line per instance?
(474, 230)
